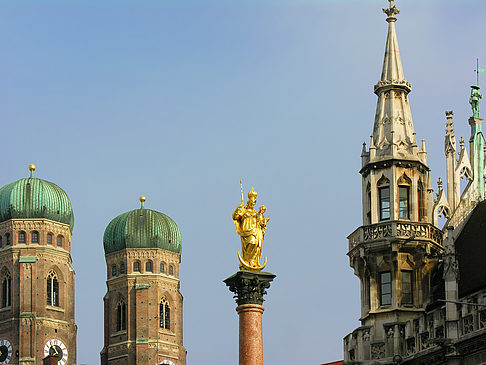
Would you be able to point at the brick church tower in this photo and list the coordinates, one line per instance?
(143, 305)
(37, 296)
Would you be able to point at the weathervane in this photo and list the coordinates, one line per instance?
(392, 10)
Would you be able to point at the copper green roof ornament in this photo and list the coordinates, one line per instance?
(475, 93)
(31, 169)
(142, 200)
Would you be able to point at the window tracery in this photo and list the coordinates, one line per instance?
(52, 289)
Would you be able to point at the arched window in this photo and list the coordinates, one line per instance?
(9, 239)
(122, 268)
(49, 238)
(113, 270)
(121, 316)
(384, 198)
(136, 266)
(162, 268)
(148, 266)
(35, 237)
(21, 237)
(6, 290)
(164, 314)
(59, 240)
(171, 270)
(1, 241)
(52, 289)
(404, 184)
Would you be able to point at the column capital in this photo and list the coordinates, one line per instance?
(249, 287)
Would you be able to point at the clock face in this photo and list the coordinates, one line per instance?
(5, 352)
(57, 348)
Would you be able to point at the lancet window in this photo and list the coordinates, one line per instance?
(52, 289)
(9, 239)
(404, 197)
(407, 287)
(122, 268)
(21, 238)
(368, 203)
(6, 290)
(1, 241)
(121, 316)
(162, 268)
(384, 198)
(171, 270)
(385, 288)
(136, 266)
(49, 238)
(421, 201)
(404, 207)
(113, 270)
(164, 314)
(59, 240)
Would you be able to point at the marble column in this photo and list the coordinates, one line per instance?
(249, 288)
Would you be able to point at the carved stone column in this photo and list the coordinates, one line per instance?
(249, 288)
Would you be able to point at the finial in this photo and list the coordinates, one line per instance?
(461, 143)
(391, 12)
(449, 114)
(142, 200)
(31, 169)
(439, 184)
(478, 70)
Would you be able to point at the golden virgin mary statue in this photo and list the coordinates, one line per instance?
(251, 226)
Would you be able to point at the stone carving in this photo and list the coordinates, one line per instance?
(249, 287)
(424, 339)
(377, 231)
(410, 346)
(377, 351)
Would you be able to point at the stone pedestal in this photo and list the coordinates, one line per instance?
(249, 288)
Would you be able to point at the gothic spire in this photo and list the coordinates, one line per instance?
(393, 131)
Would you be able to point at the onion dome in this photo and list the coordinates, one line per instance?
(142, 228)
(33, 198)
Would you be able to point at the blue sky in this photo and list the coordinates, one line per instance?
(178, 100)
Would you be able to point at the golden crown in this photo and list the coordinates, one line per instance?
(252, 193)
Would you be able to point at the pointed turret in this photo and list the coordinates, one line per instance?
(393, 131)
(387, 252)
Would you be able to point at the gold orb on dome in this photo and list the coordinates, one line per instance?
(142, 199)
(31, 167)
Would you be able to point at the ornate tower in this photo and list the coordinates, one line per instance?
(37, 297)
(143, 305)
(395, 251)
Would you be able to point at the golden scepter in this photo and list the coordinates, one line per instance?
(241, 188)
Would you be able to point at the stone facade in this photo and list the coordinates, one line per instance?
(34, 316)
(143, 281)
(423, 298)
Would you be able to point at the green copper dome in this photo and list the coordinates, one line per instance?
(35, 198)
(142, 228)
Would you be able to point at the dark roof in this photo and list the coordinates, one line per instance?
(471, 252)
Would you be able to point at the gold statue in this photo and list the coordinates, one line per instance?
(251, 226)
